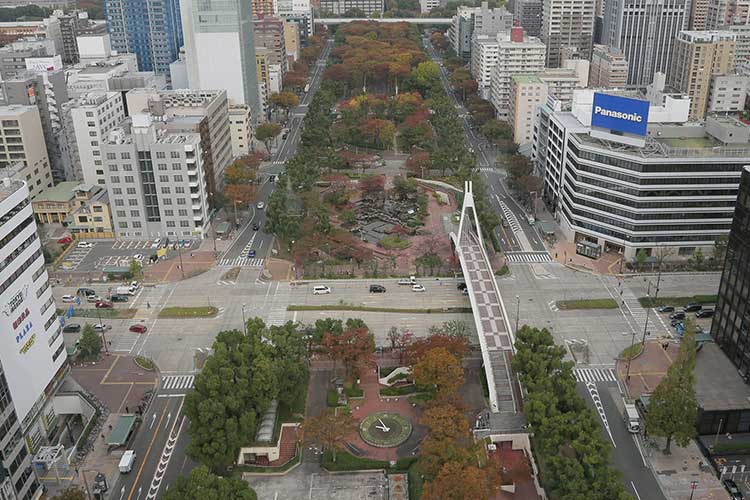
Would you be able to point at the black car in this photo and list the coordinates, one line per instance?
(256, 227)
(734, 491)
(704, 313)
(377, 289)
(461, 286)
(72, 328)
(677, 315)
(676, 322)
(692, 308)
(85, 291)
(118, 297)
(665, 309)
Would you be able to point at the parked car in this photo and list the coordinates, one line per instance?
(260, 205)
(65, 240)
(692, 308)
(675, 322)
(377, 289)
(68, 298)
(734, 491)
(251, 253)
(118, 297)
(704, 313)
(138, 257)
(93, 298)
(72, 328)
(465, 291)
(677, 315)
(84, 244)
(461, 286)
(417, 288)
(103, 304)
(665, 309)
(85, 291)
(100, 327)
(321, 290)
(138, 328)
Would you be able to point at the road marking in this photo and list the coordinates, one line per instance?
(636, 491)
(143, 461)
(594, 374)
(166, 456)
(594, 393)
(528, 257)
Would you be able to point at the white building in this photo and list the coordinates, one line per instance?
(241, 126)
(425, 6)
(86, 123)
(299, 11)
(474, 21)
(517, 53)
(155, 181)
(567, 23)
(483, 60)
(527, 94)
(32, 356)
(26, 152)
(728, 93)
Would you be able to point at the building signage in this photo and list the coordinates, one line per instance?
(15, 301)
(19, 320)
(620, 114)
(20, 335)
(28, 344)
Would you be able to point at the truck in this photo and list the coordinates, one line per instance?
(125, 290)
(127, 461)
(411, 281)
(307, 88)
(632, 418)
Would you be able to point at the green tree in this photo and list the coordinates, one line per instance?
(641, 256)
(698, 259)
(673, 408)
(495, 130)
(72, 493)
(136, 269)
(201, 484)
(90, 343)
(329, 430)
(720, 248)
(265, 132)
(427, 76)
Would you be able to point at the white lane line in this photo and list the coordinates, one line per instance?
(635, 490)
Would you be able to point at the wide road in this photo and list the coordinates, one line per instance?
(514, 217)
(259, 240)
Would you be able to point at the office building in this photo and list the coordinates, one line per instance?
(727, 94)
(262, 7)
(81, 208)
(517, 54)
(644, 31)
(730, 327)
(527, 93)
(32, 339)
(13, 57)
(86, 122)
(269, 33)
(367, 8)
(263, 74)
(567, 23)
(220, 49)
(299, 12)
(25, 152)
(528, 13)
(205, 112)
(609, 68)
(150, 29)
(741, 47)
(69, 32)
(698, 57)
(425, 6)
(291, 41)
(722, 13)
(698, 15)
(155, 181)
(241, 130)
(476, 21)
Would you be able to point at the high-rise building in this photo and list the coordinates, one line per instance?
(33, 339)
(292, 41)
(567, 23)
(475, 21)
(298, 11)
(220, 49)
(609, 68)
(151, 29)
(268, 32)
(742, 47)
(698, 15)
(527, 93)
(367, 8)
(262, 7)
(241, 129)
(698, 57)
(722, 13)
(731, 325)
(25, 153)
(528, 13)
(516, 54)
(644, 31)
(155, 180)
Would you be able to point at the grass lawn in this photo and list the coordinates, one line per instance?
(415, 482)
(587, 304)
(105, 313)
(632, 351)
(394, 242)
(677, 301)
(189, 312)
(145, 363)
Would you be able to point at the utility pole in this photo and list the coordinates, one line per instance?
(179, 254)
(244, 323)
(104, 328)
(518, 310)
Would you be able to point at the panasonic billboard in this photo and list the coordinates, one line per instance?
(619, 118)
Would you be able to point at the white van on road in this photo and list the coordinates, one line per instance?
(127, 461)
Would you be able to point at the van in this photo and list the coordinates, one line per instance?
(632, 419)
(124, 290)
(127, 461)
(320, 290)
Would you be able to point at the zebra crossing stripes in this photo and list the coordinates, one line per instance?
(486, 169)
(177, 382)
(241, 262)
(278, 162)
(594, 375)
(528, 257)
(510, 217)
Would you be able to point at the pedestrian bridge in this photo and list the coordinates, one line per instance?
(495, 335)
(413, 20)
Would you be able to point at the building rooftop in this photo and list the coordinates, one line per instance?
(98, 70)
(8, 187)
(61, 192)
(527, 78)
(718, 384)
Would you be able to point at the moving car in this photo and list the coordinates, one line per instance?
(665, 309)
(704, 313)
(256, 226)
(377, 289)
(734, 491)
(84, 244)
(321, 290)
(677, 315)
(72, 328)
(260, 205)
(126, 462)
(138, 328)
(417, 288)
(251, 253)
(411, 281)
(103, 304)
(692, 308)
(68, 298)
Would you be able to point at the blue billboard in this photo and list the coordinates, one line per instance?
(620, 114)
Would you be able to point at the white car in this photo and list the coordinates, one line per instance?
(260, 205)
(84, 244)
(93, 298)
(134, 285)
(99, 327)
(321, 290)
(138, 257)
(155, 243)
(68, 298)
(417, 288)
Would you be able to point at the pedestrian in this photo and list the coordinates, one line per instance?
(110, 426)
(127, 410)
(148, 305)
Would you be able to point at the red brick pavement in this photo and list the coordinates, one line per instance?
(193, 263)
(647, 370)
(116, 380)
(287, 446)
(514, 467)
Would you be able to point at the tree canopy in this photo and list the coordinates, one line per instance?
(90, 343)
(201, 484)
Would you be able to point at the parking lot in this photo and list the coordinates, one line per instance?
(112, 253)
(303, 482)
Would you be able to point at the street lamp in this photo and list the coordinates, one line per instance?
(518, 310)
(244, 323)
(104, 328)
(632, 339)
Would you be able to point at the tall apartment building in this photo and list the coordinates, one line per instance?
(722, 13)
(698, 15)
(150, 29)
(528, 13)
(609, 68)
(698, 57)
(728, 93)
(86, 122)
(263, 74)
(475, 21)
(741, 48)
(517, 54)
(47, 91)
(484, 50)
(203, 111)
(155, 181)
(731, 325)
(645, 30)
(561, 83)
(292, 40)
(220, 49)
(24, 153)
(297, 11)
(262, 7)
(368, 8)
(33, 339)
(69, 32)
(527, 94)
(269, 33)
(241, 130)
(567, 23)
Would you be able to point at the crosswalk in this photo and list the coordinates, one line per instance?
(594, 375)
(486, 169)
(177, 382)
(631, 306)
(278, 162)
(510, 217)
(528, 257)
(241, 262)
(277, 311)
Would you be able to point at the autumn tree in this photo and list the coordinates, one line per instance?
(329, 430)
(456, 481)
(265, 132)
(448, 440)
(372, 185)
(285, 100)
(445, 421)
(72, 493)
(353, 348)
(439, 371)
(458, 346)
(418, 163)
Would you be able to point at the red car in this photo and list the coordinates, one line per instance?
(65, 240)
(103, 304)
(138, 328)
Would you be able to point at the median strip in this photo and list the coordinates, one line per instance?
(189, 312)
(350, 307)
(587, 304)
